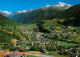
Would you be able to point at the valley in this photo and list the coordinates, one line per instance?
(51, 31)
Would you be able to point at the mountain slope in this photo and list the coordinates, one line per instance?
(73, 16)
(4, 21)
(9, 31)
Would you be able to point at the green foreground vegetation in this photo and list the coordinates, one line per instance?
(31, 56)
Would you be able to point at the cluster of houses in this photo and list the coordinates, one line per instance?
(71, 51)
(41, 39)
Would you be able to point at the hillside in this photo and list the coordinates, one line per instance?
(72, 16)
(9, 30)
(4, 21)
(36, 15)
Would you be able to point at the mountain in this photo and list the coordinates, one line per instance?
(61, 5)
(35, 16)
(18, 12)
(72, 16)
(43, 13)
(5, 13)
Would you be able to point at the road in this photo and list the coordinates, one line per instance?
(40, 55)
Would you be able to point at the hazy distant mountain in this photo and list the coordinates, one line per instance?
(19, 12)
(5, 13)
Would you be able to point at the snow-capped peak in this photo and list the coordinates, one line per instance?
(5, 13)
(63, 5)
(21, 11)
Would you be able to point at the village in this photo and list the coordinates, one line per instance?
(59, 41)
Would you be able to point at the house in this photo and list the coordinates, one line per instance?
(24, 42)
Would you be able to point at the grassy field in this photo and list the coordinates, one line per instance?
(66, 44)
(57, 55)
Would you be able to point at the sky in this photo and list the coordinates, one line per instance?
(18, 5)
